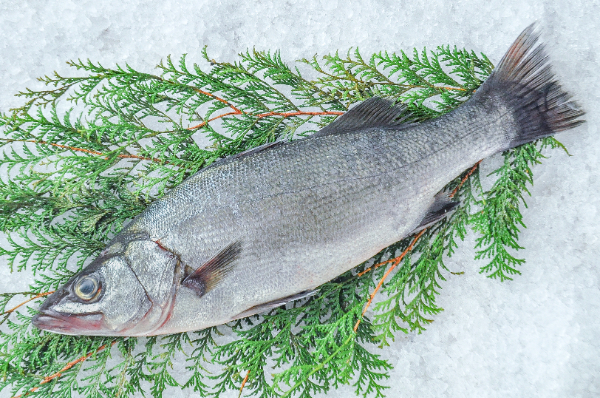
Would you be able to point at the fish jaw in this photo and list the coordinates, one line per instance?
(57, 322)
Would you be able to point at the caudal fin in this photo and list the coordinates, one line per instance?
(525, 81)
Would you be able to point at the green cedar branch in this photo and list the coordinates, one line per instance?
(63, 203)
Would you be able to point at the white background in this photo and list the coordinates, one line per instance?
(536, 336)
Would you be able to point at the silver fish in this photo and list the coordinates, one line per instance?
(259, 229)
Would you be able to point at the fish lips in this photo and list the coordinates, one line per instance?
(71, 324)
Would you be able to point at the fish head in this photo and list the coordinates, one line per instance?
(113, 296)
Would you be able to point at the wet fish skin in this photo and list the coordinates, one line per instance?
(250, 232)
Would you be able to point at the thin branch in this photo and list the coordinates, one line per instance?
(375, 266)
(68, 366)
(218, 99)
(26, 301)
(214, 118)
(263, 115)
(454, 191)
(465, 178)
(243, 384)
(319, 366)
(350, 77)
(127, 156)
(397, 261)
(8, 312)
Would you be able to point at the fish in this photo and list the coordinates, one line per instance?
(254, 231)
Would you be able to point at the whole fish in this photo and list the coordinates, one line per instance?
(257, 230)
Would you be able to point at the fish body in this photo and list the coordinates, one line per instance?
(254, 231)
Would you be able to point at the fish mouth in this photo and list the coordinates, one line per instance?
(71, 324)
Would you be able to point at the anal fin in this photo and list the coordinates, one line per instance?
(442, 207)
(264, 307)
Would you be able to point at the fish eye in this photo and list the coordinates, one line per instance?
(87, 288)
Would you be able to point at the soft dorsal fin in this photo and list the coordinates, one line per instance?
(374, 112)
(442, 207)
(264, 307)
(208, 275)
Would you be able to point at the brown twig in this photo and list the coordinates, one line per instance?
(214, 118)
(396, 261)
(263, 115)
(465, 178)
(243, 384)
(72, 148)
(375, 266)
(26, 301)
(68, 366)
(218, 99)
(7, 313)
(236, 111)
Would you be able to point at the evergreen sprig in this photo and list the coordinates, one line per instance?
(77, 176)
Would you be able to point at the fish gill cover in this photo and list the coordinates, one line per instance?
(127, 137)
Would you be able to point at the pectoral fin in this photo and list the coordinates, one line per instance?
(208, 275)
(442, 207)
(264, 307)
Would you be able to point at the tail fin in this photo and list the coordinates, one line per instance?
(525, 81)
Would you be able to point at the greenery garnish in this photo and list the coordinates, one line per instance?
(89, 153)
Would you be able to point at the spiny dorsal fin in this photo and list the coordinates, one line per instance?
(442, 207)
(207, 276)
(257, 309)
(374, 112)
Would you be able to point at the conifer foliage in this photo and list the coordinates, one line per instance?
(88, 153)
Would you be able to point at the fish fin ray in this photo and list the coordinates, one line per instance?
(264, 307)
(373, 112)
(442, 207)
(525, 82)
(208, 275)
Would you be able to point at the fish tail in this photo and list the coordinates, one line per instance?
(525, 83)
